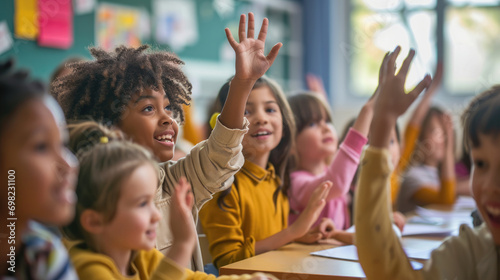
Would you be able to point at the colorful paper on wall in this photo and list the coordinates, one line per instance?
(84, 6)
(26, 19)
(176, 23)
(121, 25)
(55, 22)
(5, 37)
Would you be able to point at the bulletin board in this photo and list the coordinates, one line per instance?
(41, 61)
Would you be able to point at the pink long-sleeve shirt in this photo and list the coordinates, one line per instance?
(341, 172)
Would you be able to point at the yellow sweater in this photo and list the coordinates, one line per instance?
(410, 140)
(471, 255)
(251, 215)
(146, 265)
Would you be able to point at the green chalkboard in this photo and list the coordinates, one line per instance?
(42, 60)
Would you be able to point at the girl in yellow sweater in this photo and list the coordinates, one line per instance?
(252, 216)
(116, 216)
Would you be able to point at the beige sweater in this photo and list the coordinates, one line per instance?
(471, 255)
(209, 168)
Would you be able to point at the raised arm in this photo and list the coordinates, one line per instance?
(379, 250)
(345, 162)
(251, 64)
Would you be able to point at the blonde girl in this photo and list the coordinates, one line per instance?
(116, 217)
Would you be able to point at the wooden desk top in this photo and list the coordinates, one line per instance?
(294, 262)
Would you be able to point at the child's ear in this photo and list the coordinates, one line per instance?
(91, 221)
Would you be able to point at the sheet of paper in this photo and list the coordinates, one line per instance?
(176, 23)
(5, 37)
(56, 24)
(350, 253)
(25, 19)
(120, 25)
(84, 6)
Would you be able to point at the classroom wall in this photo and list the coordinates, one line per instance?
(209, 62)
(42, 60)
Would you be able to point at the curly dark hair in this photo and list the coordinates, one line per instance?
(16, 87)
(100, 89)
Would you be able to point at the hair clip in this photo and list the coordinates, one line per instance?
(213, 119)
(104, 140)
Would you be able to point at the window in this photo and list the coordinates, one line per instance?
(463, 34)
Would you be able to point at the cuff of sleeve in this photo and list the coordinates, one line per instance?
(168, 269)
(227, 136)
(250, 246)
(355, 140)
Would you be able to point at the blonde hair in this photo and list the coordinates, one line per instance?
(103, 168)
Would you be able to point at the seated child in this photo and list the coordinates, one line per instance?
(40, 176)
(471, 255)
(116, 216)
(251, 217)
(142, 94)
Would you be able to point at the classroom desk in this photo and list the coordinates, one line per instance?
(293, 261)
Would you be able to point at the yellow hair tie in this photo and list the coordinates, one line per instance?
(213, 119)
(104, 140)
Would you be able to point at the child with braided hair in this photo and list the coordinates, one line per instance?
(142, 93)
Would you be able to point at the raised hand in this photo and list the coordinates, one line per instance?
(251, 62)
(181, 223)
(392, 100)
(314, 206)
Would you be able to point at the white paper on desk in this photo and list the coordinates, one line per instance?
(421, 229)
(350, 253)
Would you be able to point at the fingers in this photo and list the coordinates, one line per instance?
(391, 62)
(420, 87)
(326, 226)
(383, 68)
(241, 29)
(251, 26)
(183, 194)
(263, 30)
(321, 191)
(406, 64)
(230, 39)
(273, 53)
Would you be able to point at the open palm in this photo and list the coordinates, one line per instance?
(251, 62)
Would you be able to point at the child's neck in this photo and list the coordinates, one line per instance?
(260, 160)
(431, 162)
(121, 257)
(313, 166)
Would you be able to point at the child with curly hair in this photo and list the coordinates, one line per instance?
(142, 94)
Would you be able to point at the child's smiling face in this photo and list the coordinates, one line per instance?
(134, 225)
(266, 125)
(148, 121)
(45, 171)
(485, 181)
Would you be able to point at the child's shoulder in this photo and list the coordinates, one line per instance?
(44, 254)
(88, 262)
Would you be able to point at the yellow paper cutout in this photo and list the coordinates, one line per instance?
(26, 19)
